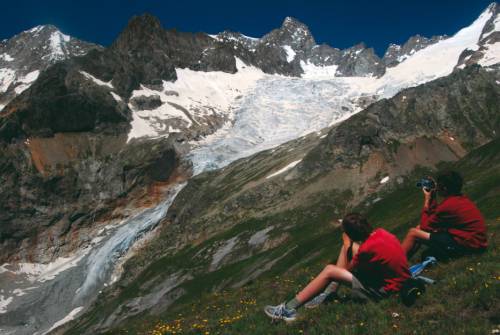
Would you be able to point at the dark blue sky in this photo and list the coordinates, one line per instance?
(338, 23)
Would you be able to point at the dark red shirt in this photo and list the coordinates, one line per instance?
(460, 218)
(381, 262)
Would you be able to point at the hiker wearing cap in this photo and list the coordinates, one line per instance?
(378, 268)
(451, 228)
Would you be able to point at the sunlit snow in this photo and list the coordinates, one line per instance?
(290, 53)
(286, 168)
(96, 80)
(6, 57)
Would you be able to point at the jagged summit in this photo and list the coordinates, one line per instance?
(141, 31)
(145, 23)
(294, 33)
(293, 23)
(26, 54)
(395, 53)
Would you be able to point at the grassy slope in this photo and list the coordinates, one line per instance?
(465, 300)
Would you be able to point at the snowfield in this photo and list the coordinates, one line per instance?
(267, 110)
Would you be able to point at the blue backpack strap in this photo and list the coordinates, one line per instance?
(417, 269)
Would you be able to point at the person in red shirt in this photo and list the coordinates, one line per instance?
(451, 228)
(379, 267)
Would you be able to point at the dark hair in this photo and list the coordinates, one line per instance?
(356, 227)
(450, 182)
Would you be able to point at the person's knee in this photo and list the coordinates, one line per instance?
(413, 232)
(330, 270)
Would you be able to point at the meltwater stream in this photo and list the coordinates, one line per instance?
(36, 298)
(39, 298)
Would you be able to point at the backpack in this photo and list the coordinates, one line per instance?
(411, 290)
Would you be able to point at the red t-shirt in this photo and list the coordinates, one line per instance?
(381, 262)
(460, 218)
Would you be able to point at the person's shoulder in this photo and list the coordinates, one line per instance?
(452, 201)
(456, 200)
(380, 234)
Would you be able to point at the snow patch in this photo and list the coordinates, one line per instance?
(223, 251)
(290, 53)
(260, 236)
(35, 30)
(4, 302)
(312, 71)
(37, 272)
(491, 55)
(7, 77)
(96, 80)
(116, 96)
(67, 318)
(384, 180)
(57, 42)
(26, 81)
(198, 94)
(286, 168)
(6, 57)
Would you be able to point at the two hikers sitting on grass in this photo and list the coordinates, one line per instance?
(379, 267)
(452, 228)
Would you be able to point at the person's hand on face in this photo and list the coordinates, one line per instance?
(346, 240)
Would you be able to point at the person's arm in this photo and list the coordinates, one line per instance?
(428, 210)
(438, 216)
(351, 250)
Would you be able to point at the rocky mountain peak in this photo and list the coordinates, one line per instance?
(293, 23)
(491, 27)
(293, 33)
(493, 7)
(26, 54)
(485, 53)
(395, 53)
(359, 60)
(140, 31)
(144, 22)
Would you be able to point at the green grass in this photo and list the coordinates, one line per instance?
(465, 300)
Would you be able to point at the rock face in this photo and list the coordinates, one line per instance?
(63, 99)
(360, 61)
(55, 189)
(26, 55)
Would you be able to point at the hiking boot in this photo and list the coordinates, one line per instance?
(320, 299)
(280, 312)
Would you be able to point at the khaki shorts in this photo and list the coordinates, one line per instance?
(365, 293)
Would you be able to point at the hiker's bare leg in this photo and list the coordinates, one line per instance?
(411, 239)
(329, 273)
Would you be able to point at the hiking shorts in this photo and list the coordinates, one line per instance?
(443, 246)
(362, 292)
